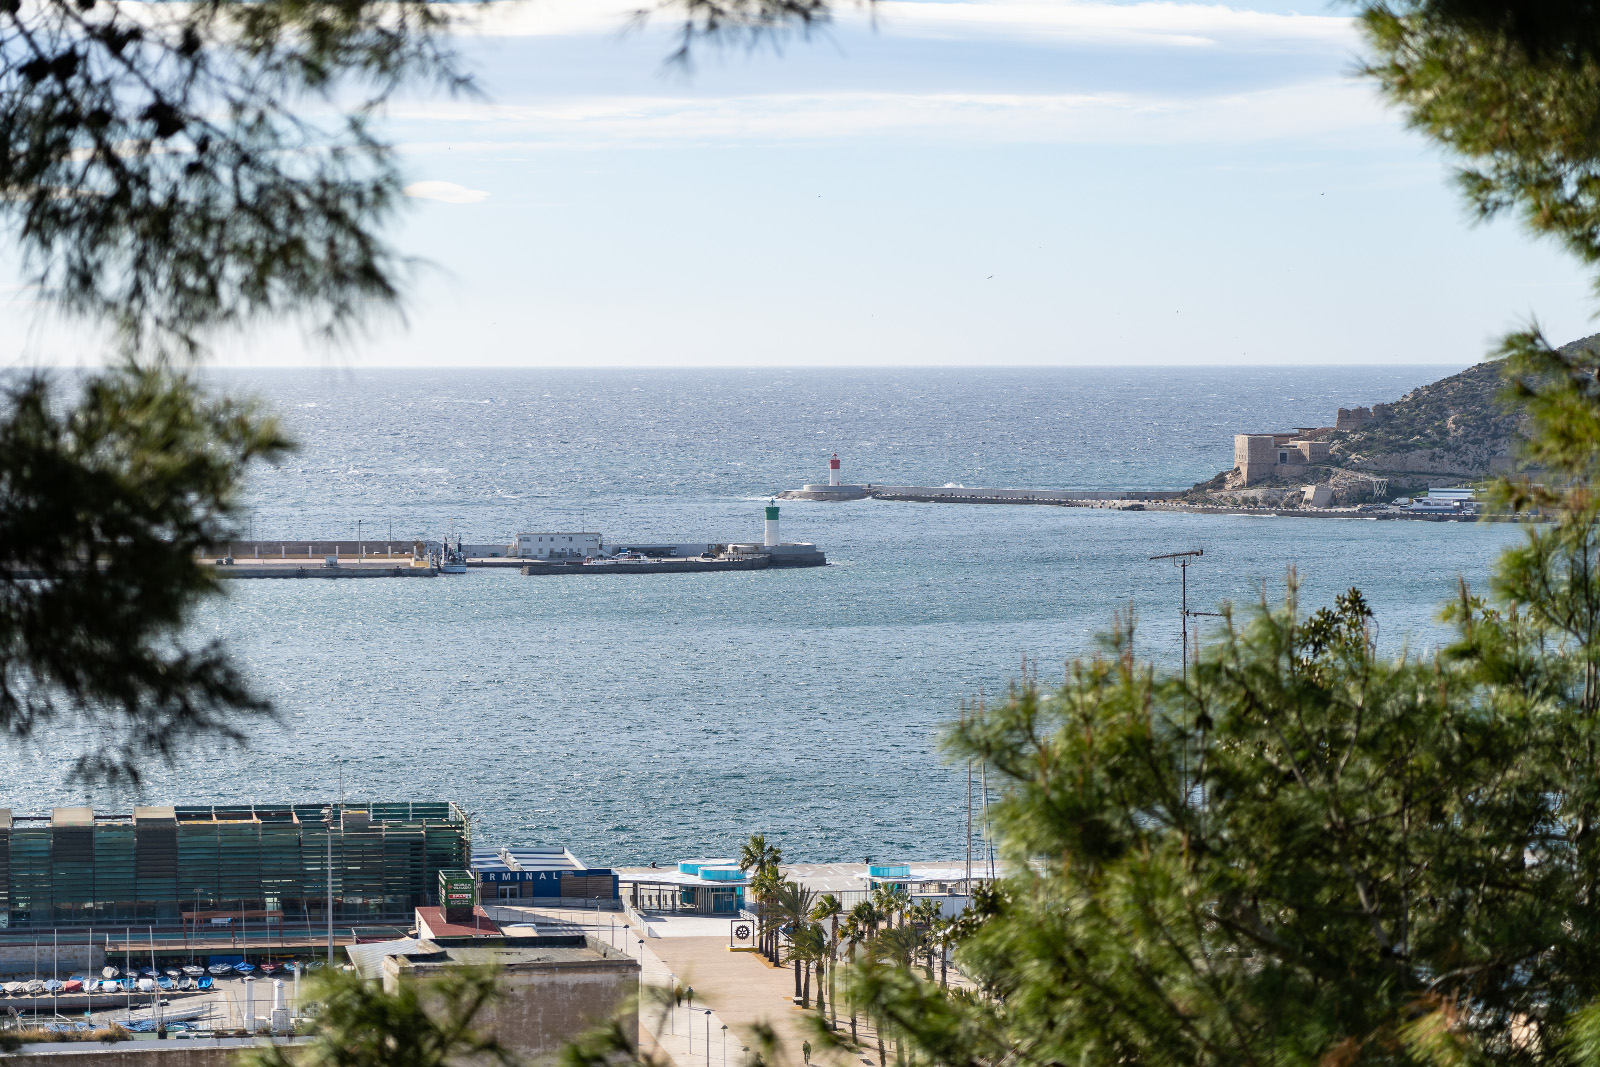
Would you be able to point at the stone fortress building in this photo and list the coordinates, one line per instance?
(1260, 456)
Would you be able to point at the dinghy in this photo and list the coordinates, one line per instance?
(33, 988)
(52, 985)
(314, 965)
(186, 984)
(13, 989)
(244, 968)
(220, 968)
(147, 972)
(110, 986)
(73, 985)
(268, 968)
(192, 971)
(109, 972)
(165, 984)
(147, 985)
(204, 983)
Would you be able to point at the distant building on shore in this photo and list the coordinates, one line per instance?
(1259, 456)
(244, 865)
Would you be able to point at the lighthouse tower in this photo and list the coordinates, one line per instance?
(833, 470)
(772, 537)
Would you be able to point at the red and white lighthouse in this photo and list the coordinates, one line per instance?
(833, 470)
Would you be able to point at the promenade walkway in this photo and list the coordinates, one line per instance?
(739, 989)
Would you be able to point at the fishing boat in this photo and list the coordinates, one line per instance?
(165, 984)
(244, 968)
(192, 971)
(147, 985)
(453, 559)
(109, 972)
(220, 968)
(204, 983)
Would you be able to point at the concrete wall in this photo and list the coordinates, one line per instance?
(313, 549)
(544, 1009)
(132, 1054)
(19, 959)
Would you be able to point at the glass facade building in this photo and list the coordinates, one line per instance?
(77, 868)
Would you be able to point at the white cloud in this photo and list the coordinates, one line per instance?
(1273, 113)
(1156, 23)
(445, 192)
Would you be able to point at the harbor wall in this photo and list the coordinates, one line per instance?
(396, 547)
(657, 566)
(141, 1054)
(41, 958)
(349, 569)
(979, 495)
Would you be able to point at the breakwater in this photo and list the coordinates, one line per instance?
(653, 566)
(347, 569)
(960, 494)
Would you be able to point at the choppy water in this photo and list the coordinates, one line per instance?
(648, 718)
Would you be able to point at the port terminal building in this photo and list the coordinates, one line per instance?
(250, 863)
(695, 887)
(551, 876)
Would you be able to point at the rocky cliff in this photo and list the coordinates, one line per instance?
(1453, 430)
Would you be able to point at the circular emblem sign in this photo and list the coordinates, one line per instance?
(742, 931)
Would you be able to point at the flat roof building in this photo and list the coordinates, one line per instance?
(548, 875)
(169, 864)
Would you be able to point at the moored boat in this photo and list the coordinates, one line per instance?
(185, 984)
(147, 985)
(13, 989)
(204, 983)
(52, 985)
(220, 968)
(33, 988)
(72, 985)
(244, 968)
(109, 972)
(192, 971)
(166, 984)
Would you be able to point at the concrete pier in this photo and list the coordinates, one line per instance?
(960, 494)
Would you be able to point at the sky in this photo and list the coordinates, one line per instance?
(973, 182)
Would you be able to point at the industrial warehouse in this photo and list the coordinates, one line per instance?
(258, 863)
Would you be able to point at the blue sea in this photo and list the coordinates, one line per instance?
(650, 718)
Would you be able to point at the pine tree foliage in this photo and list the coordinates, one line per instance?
(106, 500)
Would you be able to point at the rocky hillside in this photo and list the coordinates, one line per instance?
(1455, 427)
(1452, 430)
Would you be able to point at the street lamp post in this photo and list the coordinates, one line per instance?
(724, 1045)
(708, 1037)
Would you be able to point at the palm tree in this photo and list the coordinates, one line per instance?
(828, 910)
(760, 860)
(890, 900)
(765, 886)
(756, 855)
(859, 929)
(927, 914)
(792, 905)
(808, 945)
